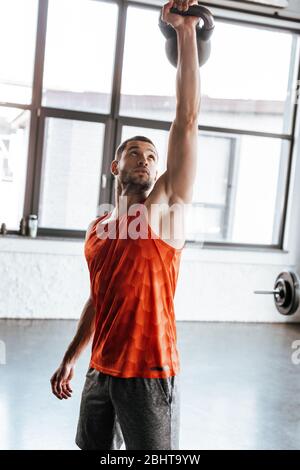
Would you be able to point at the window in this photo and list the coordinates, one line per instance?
(245, 123)
(148, 80)
(239, 182)
(80, 50)
(14, 131)
(101, 76)
(246, 84)
(17, 38)
(71, 173)
(248, 80)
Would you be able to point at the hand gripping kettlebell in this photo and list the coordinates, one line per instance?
(204, 33)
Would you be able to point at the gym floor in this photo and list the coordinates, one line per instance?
(239, 386)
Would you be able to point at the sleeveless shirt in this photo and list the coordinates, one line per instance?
(133, 283)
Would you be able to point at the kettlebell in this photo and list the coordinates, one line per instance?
(203, 33)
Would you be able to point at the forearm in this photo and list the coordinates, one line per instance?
(85, 331)
(188, 75)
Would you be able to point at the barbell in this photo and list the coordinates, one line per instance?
(204, 33)
(286, 292)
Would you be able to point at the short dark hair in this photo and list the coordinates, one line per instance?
(122, 146)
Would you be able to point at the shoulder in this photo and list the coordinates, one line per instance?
(90, 228)
(162, 197)
(159, 193)
(92, 225)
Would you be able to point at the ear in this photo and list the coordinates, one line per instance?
(114, 167)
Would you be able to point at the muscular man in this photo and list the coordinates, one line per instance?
(131, 391)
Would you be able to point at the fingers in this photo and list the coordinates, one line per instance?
(167, 7)
(60, 387)
(185, 5)
(166, 10)
(68, 387)
(66, 390)
(181, 5)
(60, 390)
(55, 386)
(177, 4)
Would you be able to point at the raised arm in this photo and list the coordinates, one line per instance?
(183, 138)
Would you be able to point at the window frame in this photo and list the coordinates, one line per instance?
(114, 121)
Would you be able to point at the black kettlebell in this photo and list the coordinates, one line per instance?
(203, 33)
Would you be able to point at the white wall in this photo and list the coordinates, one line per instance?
(49, 279)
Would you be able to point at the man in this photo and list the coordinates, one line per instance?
(131, 391)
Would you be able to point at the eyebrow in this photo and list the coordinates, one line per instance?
(135, 147)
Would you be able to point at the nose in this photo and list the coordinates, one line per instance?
(142, 161)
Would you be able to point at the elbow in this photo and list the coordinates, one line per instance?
(186, 114)
(186, 121)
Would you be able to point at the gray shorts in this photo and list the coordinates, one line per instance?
(142, 412)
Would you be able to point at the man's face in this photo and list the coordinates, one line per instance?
(137, 167)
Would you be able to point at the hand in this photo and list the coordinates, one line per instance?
(178, 21)
(60, 381)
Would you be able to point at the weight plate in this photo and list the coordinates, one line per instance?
(287, 300)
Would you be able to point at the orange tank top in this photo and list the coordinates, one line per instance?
(133, 284)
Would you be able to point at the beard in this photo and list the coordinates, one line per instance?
(135, 182)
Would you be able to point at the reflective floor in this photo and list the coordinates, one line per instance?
(239, 386)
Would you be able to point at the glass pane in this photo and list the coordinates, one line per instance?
(251, 85)
(238, 87)
(80, 50)
(148, 79)
(14, 132)
(204, 223)
(72, 160)
(17, 37)
(212, 169)
(258, 190)
(239, 189)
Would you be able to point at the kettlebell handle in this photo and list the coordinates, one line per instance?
(203, 33)
(200, 12)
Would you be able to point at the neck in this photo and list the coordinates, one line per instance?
(124, 201)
